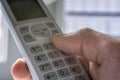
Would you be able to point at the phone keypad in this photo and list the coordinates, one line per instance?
(54, 64)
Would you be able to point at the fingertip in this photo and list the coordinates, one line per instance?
(58, 35)
(66, 42)
(20, 70)
(56, 39)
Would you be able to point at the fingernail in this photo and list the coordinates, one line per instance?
(59, 34)
(62, 35)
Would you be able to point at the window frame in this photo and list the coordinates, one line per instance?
(108, 19)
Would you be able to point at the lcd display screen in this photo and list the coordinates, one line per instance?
(26, 9)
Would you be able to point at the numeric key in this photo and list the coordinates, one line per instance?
(80, 77)
(58, 63)
(40, 58)
(51, 76)
(45, 67)
(36, 49)
(75, 69)
(53, 54)
(48, 46)
(63, 72)
(70, 61)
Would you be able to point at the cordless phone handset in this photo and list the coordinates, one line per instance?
(32, 26)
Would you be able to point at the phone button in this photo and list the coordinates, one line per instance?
(51, 76)
(40, 31)
(40, 58)
(45, 67)
(36, 49)
(58, 63)
(69, 78)
(48, 46)
(50, 24)
(63, 72)
(70, 61)
(75, 69)
(64, 54)
(24, 29)
(53, 54)
(80, 77)
(28, 38)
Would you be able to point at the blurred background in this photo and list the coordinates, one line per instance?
(71, 15)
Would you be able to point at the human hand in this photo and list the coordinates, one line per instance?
(102, 51)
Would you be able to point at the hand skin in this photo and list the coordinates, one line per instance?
(102, 51)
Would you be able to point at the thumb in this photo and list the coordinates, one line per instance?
(20, 70)
(85, 43)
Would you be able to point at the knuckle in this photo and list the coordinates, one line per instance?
(86, 30)
(112, 48)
